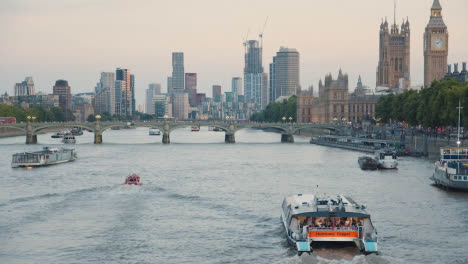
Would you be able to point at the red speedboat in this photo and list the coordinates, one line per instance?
(133, 180)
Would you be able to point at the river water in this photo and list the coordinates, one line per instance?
(204, 201)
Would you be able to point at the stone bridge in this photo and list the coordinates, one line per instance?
(287, 130)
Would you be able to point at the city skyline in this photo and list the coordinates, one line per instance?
(348, 35)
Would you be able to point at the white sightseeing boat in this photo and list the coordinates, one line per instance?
(310, 219)
(451, 170)
(386, 159)
(45, 157)
(154, 132)
(69, 139)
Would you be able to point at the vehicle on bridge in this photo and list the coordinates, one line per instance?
(195, 128)
(45, 157)
(310, 220)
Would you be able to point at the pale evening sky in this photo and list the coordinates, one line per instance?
(77, 39)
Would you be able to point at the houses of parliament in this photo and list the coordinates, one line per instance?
(334, 101)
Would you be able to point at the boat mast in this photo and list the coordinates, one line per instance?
(458, 134)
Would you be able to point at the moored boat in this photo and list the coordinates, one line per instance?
(76, 131)
(451, 170)
(154, 132)
(386, 159)
(367, 163)
(133, 180)
(310, 219)
(69, 139)
(45, 157)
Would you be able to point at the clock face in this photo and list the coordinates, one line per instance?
(438, 43)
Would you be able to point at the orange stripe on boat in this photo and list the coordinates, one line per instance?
(333, 234)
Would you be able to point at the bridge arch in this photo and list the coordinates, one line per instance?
(106, 127)
(277, 128)
(15, 127)
(37, 129)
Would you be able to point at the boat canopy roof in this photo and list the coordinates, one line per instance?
(310, 205)
(454, 153)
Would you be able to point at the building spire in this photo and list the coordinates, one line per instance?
(394, 12)
(436, 5)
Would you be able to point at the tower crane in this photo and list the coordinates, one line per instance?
(261, 32)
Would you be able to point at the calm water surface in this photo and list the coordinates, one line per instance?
(203, 201)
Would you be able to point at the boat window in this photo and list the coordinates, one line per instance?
(464, 178)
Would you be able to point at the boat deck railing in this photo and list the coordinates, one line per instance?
(342, 228)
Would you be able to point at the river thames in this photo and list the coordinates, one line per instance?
(204, 201)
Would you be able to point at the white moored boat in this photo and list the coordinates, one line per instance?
(386, 159)
(45, 157)
(154, 132)
(69, 139)
(308, 218)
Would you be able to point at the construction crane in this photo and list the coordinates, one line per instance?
(245, 40)
(261, 32)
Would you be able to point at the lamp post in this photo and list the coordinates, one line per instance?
(284, 119)
(290, 119)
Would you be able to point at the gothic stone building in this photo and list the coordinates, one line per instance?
(335, 103)
(394, 56)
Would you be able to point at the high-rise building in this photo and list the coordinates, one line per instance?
(435, 46)
(153, 89)
(393, 70)
(236, 86)
(161, 105)
(284, 73)
(256, 89)
(255, 80)
(253, 57)
(169, 84)
(105, 94)
(126, 102)
(178, 73)
(216, 93)
(191, 87)
(25, 88)
(132, 88)
(119, 87)
(62, 89)
(180, 106)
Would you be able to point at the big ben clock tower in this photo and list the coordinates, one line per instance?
(435, 46)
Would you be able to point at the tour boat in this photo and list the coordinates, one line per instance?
(60, 134)
(195, 128)
(312, 220)
(57, 135)
(386, 159)
(154, 132)
(47, 156)
(69, 139)
(76, 131)
(133, 180)
(367, 163)
(451, 171)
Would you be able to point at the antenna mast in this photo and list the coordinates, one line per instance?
(459, 113)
